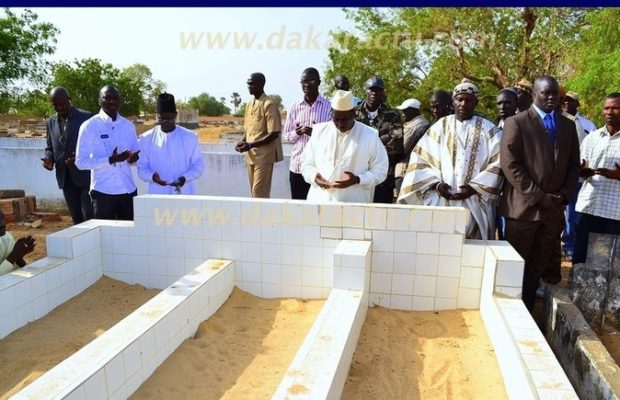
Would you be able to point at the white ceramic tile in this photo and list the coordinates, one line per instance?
(468, 298)
(556, 394)
(444, 304)
(271, 233)
(40, 306)
(54, 297)
(292, 214)
(250, 213)
(231, 250)
(271, 213)
(312, 256)
(348, 278)
(382, 262)
(7, 300)
(513, 292)
(271, 290)
(375, 217)
(292, 276)
(404, 263)
(330, 215)
(39, 284)
(449, 266)
(115, 373)
(422, 303)
(450, 244)
(331, 233)
(380, 283)
(447, 287)
(251, 233)
(193, 248)
(405, 242)
(312, 276)
(402, 284)
(509, 273)
(328, 278)
(420, 220)
(250, 252)
(292, 234)
(311, 292)
(193, 230)
(54, 278)
(427, 243)
(156, 247)
(156, 265)
(443, 221)
(78, 394)
(251, 271)
(292, 255)
(424, 286)
(212, 249)
(461, 221)
(271, 253)
(175, 267)
(471, 277)
(352, 234)
(311, 235)
(398, 219)
(292, 291)
(215, 232)
(353, 217)
(95, 386)
(383, 240)
(473, 254)
(271, 273)
(426, 264)
(379, 299)
(132, 359)
(401, 302)
(23, 292)
(310, 213)
(25, 314)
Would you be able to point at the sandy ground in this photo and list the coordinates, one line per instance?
(241, 352)
(35, 348)
(424, 355)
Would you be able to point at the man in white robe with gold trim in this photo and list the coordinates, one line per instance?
(457, 164)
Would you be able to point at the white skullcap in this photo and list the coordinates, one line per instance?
(342, 100)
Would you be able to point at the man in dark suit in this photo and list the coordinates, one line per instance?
(540, 159)
(62, 133)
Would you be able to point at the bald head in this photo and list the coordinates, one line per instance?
(59, 97)
(546, 93)
(341, 82)
(256, 84)
(110, 100)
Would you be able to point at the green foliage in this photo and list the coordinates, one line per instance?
(596, 61)
(276, 99)
(241, 111)
(208, 105)
(418, 50)
(235, 100)
(84, 78)
(24, 43)
(33, 104)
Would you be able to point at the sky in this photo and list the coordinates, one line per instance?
(193, 50)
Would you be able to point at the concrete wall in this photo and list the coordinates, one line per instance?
(225, 173)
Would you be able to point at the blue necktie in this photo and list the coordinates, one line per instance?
(550, 128)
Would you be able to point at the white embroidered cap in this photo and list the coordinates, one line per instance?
(410, 103)
(342, 100)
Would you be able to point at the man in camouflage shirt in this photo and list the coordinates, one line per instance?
(374, 112)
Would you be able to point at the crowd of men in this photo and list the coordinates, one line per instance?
(538, 175)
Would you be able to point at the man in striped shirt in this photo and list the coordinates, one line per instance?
(302, 115)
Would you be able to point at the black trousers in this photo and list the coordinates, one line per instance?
(384, 192)
(586, 224)
(299, 187)
(113, 206)
(78, 201)
(534, 241)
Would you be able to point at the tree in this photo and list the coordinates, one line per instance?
(277, 99)
(236, 100)
(84, 78)
(418, 50)
(241, 111)
(596, 64)
(24, 43)
(208, 105)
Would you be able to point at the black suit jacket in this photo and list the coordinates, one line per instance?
(59, 152)
(532, 168)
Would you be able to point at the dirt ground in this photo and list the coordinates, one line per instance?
(19, 229)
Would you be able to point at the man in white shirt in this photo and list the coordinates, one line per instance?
(107, 145)
(12, 252)
(344, 159)
(598, 203)
(570, 105)
(170, 156)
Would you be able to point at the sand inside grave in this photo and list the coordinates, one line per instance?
(241, 352)
(424, 355)
(30, 351)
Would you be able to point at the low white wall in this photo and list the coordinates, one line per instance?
(225, 172)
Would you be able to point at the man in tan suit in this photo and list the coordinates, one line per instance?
(261, 142)
(540, 159)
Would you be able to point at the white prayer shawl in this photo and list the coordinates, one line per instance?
(6, 247)
(171, 155)
(359, 151)
(458, 153)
